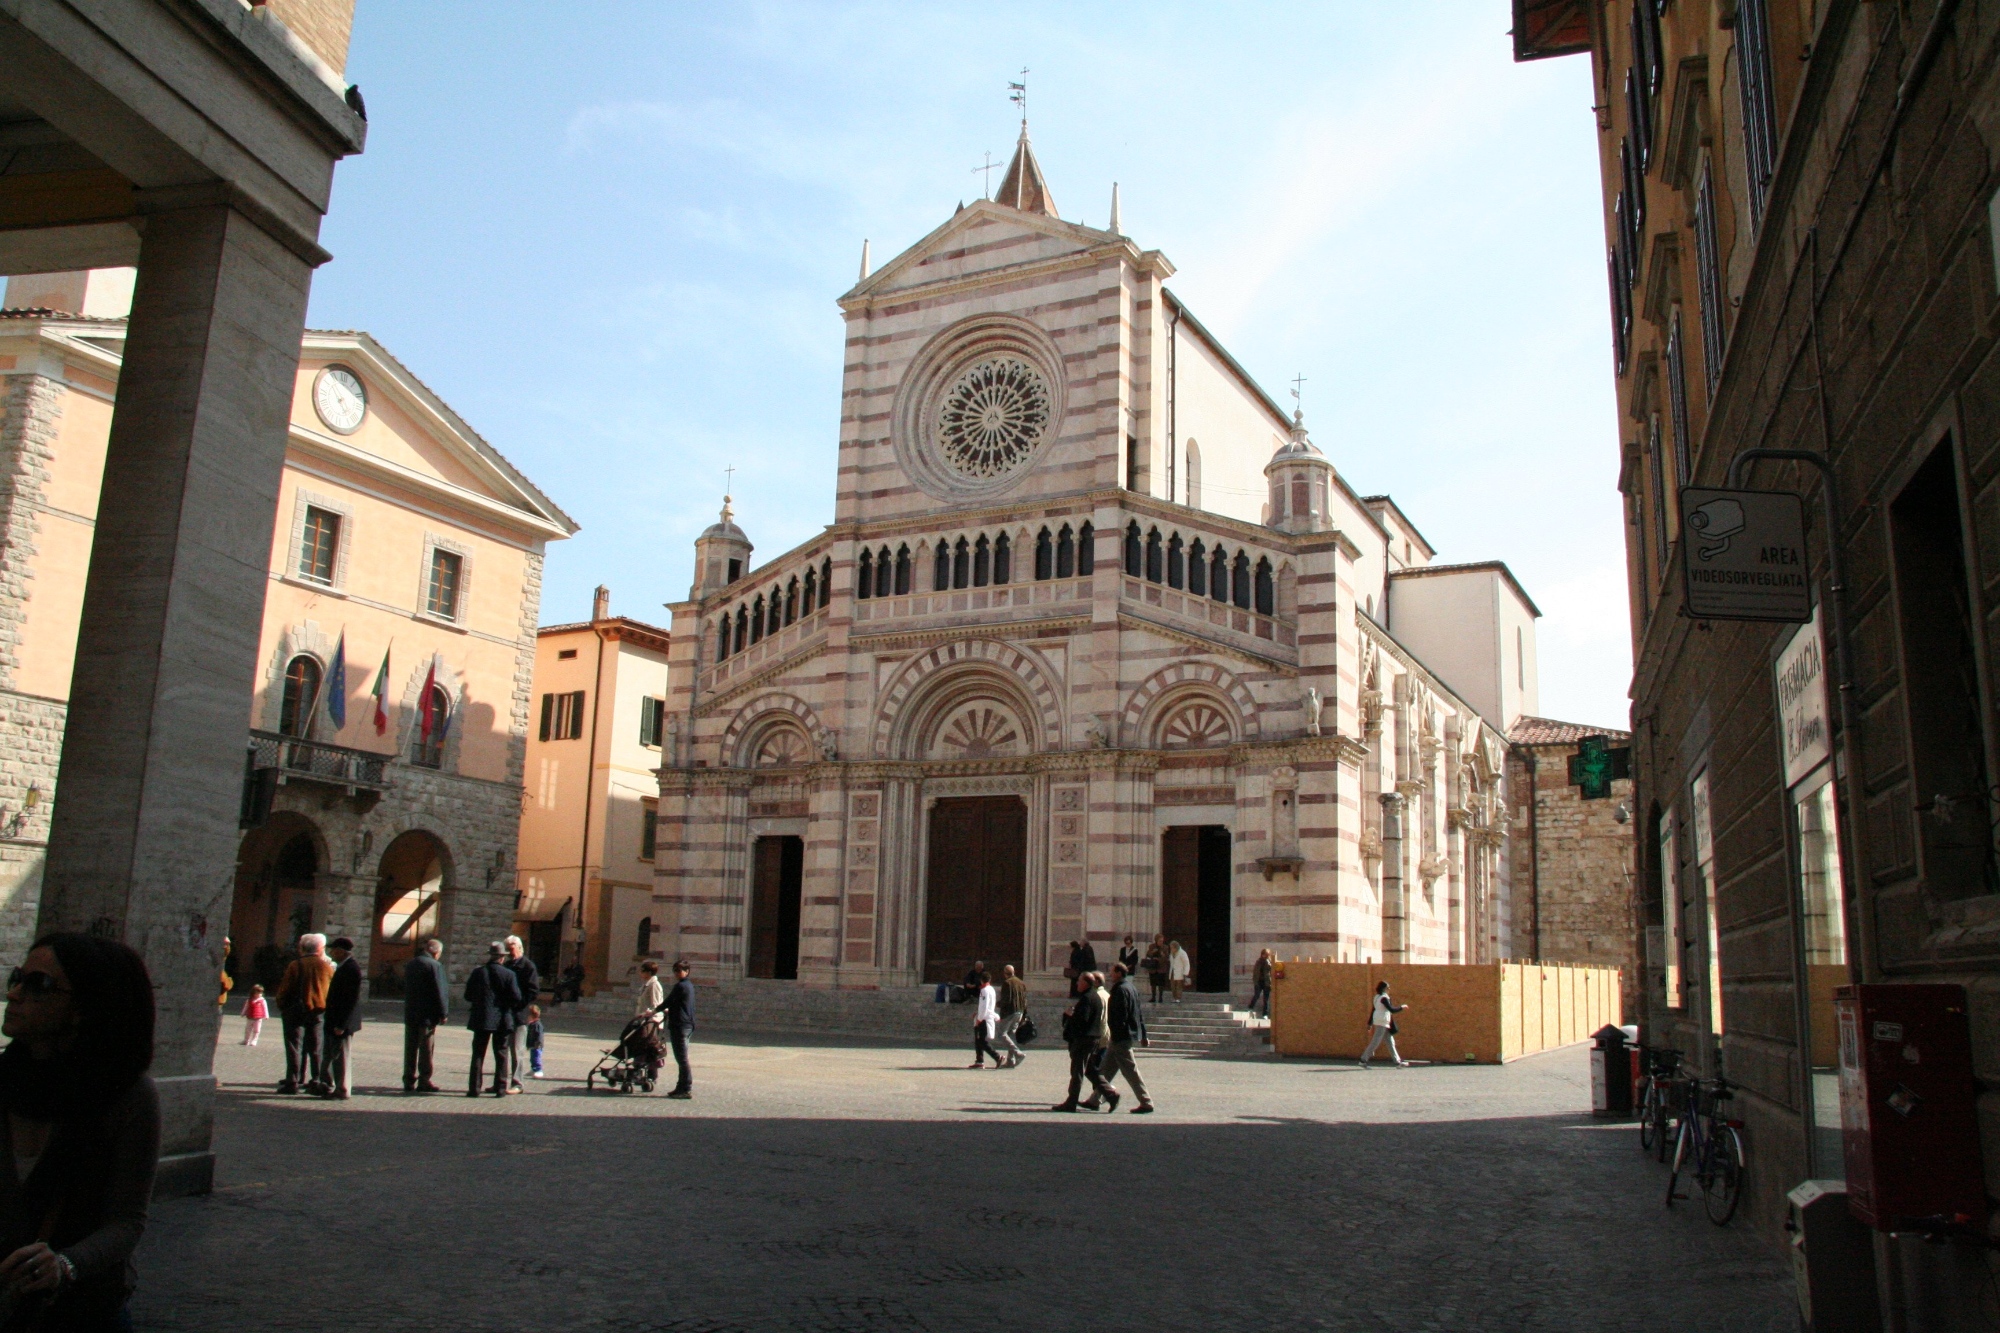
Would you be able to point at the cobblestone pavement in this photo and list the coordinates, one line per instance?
(834, 1186)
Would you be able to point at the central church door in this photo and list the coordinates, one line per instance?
(976, 903)
(1194, 906)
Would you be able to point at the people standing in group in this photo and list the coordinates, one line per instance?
(534, 1040)
(301, 1000)
(1179, 967)
(1128, 956)
(680, 1027)
(493, 997)
(985, 1018)
(1260, 984)
(649, 1002)
(523, 968)
(255, 1011)
(1087, 1031)
(343, 1019)
(426, 1003)
(79, 1134)
(1127, 1020)
(1013, 1010)
(1382, 1026)
(1155, 965)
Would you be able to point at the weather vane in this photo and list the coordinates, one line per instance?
(1017, 93)
(1298, 383)
(988, 169)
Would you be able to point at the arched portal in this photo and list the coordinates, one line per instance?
(277, 884)
(409, 902)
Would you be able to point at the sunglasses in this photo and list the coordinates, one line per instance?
(34, 983)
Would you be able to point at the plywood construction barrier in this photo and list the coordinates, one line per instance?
(1477, 1013)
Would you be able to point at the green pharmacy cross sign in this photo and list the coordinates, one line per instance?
(1596, 765)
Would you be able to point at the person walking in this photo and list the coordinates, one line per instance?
(985, 1018)
(1127, 1019)
(1179, 966)
(1382, 1023)
(1086, 1031)
(255, 1011)
(426, 1003)
(680, 1026)
(1260, 985)
(523, 968)
(1155, 965)
(343, 1019)
(649, 999)
(1013, 1010)
(534, 1041)
(80, 1134)
(493, 996)
(301, 1000)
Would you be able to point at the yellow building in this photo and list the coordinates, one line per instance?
(405, 568)
(588, 824)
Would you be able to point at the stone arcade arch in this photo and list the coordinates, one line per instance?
(278, 898)
(773, 731)
(1167, 693)
(412, 890)
(936, 685)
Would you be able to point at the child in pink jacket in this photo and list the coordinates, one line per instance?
(255, 1011)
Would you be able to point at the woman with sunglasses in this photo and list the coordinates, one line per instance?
(79, 1137)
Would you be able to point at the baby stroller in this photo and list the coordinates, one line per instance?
(634, 1063)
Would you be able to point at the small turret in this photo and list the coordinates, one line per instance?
(721, 555)
(1301, 480)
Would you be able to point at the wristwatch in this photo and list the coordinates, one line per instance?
(65, 1270)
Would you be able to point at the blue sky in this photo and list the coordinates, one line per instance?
(613, 242)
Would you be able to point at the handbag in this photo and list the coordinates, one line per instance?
(1025, 1033)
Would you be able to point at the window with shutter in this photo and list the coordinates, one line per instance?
(548, 715)
(1760, 111)
(319, 544)
(649, 845)
(441, 595)
(1677, 401)
(1708, 276)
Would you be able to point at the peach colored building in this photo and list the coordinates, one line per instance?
(407, 557)
(585, 870)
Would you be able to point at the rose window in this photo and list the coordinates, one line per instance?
(992, 418)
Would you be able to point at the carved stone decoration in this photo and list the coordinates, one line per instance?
(1431, 868)
(976, 405)
(829, 745)
(981, 730)
(782, 747)
(1371, 844)
(1197, 725)
(992, 418)
(1314, 703)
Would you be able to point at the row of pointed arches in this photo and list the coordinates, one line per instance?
(1201, 570)
(767, 613)
(974, 560)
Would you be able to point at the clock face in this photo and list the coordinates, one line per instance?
(340, 400)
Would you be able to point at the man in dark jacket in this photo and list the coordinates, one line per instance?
(1084, 1028)
(1128, 1029)
(680, 1026)
(426, 1002)
(343, 1018)
(1082, 958)
(523, 968)
(495, 997)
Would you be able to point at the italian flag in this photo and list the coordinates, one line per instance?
(381, 693)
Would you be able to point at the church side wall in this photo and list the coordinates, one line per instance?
(1234, 430)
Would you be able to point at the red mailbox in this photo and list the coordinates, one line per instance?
(1906, 1106)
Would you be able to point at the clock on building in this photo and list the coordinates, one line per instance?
(340, 399)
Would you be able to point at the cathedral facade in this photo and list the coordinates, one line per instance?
(1098, 643)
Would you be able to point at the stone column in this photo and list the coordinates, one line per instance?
(1395, 910)
(142, 844)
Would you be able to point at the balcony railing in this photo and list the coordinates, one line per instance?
(314, 761)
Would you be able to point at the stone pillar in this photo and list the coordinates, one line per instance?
(1395, 910)
(142, 845)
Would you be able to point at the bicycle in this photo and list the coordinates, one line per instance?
(1710, 1147)
(1656, 1099)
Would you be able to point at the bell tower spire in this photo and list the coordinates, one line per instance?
(1023, 186)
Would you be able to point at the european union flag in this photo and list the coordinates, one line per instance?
(336, 683)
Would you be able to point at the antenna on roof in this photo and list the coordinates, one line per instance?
(1017, 93)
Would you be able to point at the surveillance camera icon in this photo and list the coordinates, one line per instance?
(1715, 522)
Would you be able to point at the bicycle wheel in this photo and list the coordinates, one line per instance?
(1648, 1130)
(1684, 1151)
(1722, 1183)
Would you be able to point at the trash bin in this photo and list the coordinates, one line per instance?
(1611, 1075)
(1833, 1259)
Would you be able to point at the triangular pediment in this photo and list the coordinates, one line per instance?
(410, 434)
(983, 237)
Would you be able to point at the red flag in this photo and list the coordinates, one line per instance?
(430, 722)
